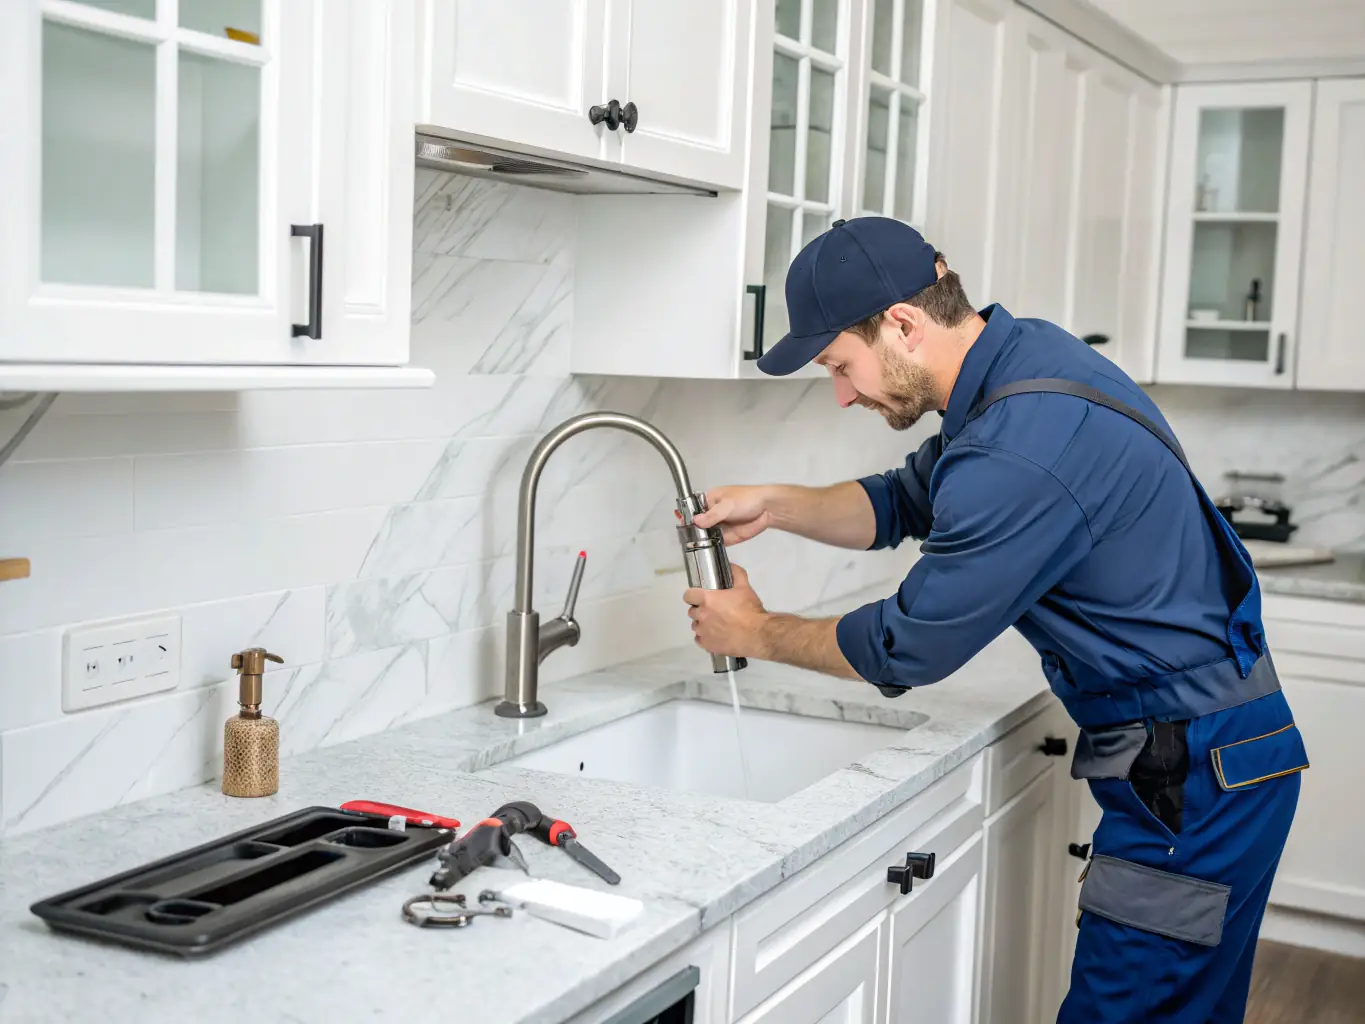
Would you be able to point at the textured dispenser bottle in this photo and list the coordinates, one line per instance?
(251, 741)
(708, 566)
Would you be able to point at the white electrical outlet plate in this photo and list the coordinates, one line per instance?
(104, 662)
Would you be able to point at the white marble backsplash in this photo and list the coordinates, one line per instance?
(367, 537)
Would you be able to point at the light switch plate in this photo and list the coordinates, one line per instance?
(105, 662)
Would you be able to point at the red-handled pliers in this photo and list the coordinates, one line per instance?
(421, 818)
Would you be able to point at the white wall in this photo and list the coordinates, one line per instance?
(367, 536)
(1217, 31)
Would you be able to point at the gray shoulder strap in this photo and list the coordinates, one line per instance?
(1061, 386)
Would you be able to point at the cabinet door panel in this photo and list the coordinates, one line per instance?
(966, 157)
(685, 67)
(1097, 282)
(365, 196)
(840, 989)
(1321, 869)
(195, 149)
(1234, 233)
(1330, 354)
(1020, 910)
(934, 939)
(1135, 347)
(524, 71)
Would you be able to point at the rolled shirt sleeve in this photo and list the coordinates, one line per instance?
(900, 497)
(1004, 532)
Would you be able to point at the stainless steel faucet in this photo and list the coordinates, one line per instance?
(528, 644)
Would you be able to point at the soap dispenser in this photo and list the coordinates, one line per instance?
(251, 741)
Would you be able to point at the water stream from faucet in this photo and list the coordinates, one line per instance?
(739, 735)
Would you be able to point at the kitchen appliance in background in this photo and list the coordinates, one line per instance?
(1254, 506)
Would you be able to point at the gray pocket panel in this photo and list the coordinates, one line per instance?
(1176, 906)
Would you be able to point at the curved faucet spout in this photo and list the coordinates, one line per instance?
(535, 465)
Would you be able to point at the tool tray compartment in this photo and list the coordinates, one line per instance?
(201, 899)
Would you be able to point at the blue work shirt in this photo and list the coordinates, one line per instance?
(1049, 513)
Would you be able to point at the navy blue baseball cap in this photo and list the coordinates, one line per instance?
(854, 270)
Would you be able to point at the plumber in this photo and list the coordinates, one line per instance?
(1056, 499)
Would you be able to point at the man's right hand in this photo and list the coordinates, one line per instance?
(741, 512)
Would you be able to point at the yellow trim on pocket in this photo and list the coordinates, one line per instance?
(1218, 762)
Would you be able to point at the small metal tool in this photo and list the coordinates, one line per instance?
(442, 910)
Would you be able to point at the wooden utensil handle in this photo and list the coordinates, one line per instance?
(13, 568)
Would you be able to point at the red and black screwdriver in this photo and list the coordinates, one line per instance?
(522, 816)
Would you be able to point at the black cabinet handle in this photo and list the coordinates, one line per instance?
(1052, 746)
(614, 115)
(1279, 354)
(917, 865)
(313, 328)
(1079, 850)
(760, 294)
(1096, 339)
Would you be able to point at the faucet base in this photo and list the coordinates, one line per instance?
(511, 709)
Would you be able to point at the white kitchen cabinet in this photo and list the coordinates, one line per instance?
(932, 941)
(1234, 234)
(174, 173)
(840, 989)
(1330, 354)
(528, 72)
(1022, 907)
(1319, 649)
(1083, 156)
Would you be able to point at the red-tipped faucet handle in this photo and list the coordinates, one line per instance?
(574, 584)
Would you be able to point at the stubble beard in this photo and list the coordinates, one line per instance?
(910, 392)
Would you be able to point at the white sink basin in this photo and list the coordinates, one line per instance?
(691, 745)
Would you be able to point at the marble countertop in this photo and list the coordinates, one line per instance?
(1342, 579)
(693, 859)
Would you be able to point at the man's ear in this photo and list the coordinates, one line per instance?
(909, 321)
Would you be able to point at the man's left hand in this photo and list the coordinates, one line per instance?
(727, 621)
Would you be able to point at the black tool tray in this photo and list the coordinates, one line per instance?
(204, 898)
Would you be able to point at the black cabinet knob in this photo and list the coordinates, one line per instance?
(1053, 747)
(614, 116)
(1078, 850)
(1095, 339)
(917, 865)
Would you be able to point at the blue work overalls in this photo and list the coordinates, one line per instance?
(1168, 921)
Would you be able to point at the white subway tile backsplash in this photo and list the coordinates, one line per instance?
(289, 623)
(66, 498)
(72, 579)
(30, 678)
(59, 436)
(325, 477)
(198, 489)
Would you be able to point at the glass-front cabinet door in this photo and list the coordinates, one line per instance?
(893, 175)
(1234, 234)
(798, 171)
(154, 165)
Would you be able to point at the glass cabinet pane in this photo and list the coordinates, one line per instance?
(878, 132)
(1232, 267)
(133, 8)
(819, 135)
(789, 18)
(217, 176)
(910, 41)
(907, 139)
(782, 134)
(812, 226)
(777, 256)
(1216, 343)
(98, 159)
(223, 18)
(1238, 162)
(824, 29)
(883, 15)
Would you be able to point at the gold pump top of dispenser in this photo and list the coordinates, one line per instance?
(251, 665)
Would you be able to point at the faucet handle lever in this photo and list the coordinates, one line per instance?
(574, 583)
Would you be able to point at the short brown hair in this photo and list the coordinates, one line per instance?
(944, 302)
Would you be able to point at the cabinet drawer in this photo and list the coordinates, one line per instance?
(797, 923)
(1015, 761)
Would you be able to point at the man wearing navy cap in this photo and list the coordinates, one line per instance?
(1055, 499)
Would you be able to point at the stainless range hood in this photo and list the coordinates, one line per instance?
(481, 160)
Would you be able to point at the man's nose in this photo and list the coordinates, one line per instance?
(844, 392)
